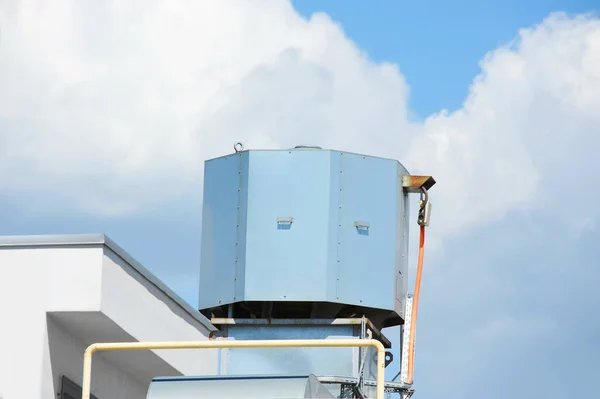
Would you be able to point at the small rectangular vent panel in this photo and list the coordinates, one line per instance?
(284, 223)
(362, 228)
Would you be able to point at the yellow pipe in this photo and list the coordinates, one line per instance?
(297, 343)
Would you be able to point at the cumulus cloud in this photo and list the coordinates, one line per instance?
(113, 106)
(526, 134)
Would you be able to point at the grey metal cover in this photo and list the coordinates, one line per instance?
(264, 387)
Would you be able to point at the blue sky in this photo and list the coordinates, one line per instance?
(107, 114)
(437, 44)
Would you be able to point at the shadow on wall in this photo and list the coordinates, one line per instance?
(64, 365)
(71, 390)
(142, 276)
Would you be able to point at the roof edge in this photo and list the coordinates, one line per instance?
(52, 240)
(120, 252)
(69, 240)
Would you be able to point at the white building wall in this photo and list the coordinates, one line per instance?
(21, 345)
(29, 280)
(56, 299)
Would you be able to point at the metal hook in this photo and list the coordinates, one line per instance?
(424, 195)
(237, 147)
(424, 206)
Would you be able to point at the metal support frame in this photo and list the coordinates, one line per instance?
(349, 384)
(216, 344)
(403, 373)
(414, 184)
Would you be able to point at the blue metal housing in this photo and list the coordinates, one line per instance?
(319, 361)
(264, 371)
(305, 226)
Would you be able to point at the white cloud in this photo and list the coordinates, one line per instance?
(526, 135)
(113, 107)
(110, 105)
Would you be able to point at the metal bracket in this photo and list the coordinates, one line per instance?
(389, 357)
(349, 384)
(420, 185)
(405, 339)
(424, 209)
(414, 184)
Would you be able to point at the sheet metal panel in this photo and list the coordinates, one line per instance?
(287, 264)
(304, 225)
(321, 361)
(222, 223)
(367, 231)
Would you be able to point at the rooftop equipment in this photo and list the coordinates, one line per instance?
(305, 244)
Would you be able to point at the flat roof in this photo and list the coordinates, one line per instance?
(69, 240)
